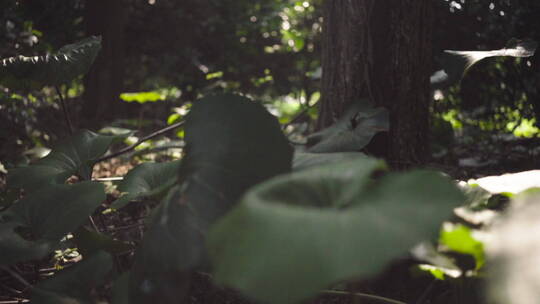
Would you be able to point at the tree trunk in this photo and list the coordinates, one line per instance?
(380, 50)
(103, 83)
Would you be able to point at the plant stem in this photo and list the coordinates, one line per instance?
(140, 141)
(362, 296)
(65, 110)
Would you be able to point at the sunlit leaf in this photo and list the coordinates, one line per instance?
(459, 239)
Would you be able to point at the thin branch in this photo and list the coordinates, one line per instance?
(362, 296)
(65, 110)
(140, 141)
(299, 115)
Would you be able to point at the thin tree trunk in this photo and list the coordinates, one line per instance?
(381, 50)
(103, 83)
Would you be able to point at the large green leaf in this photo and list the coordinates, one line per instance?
(35, 224)
(35, 72)
(146, 180)
(297, 234)
(74, 285)
(232, 144)
(74, 156)
(352, 132)
(457, 63)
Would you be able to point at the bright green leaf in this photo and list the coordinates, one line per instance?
(459, 239)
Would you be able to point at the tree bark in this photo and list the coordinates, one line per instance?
(380, 50)
(104, 82)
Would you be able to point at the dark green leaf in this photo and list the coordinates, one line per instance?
(52, 69)
(352, 132)
(146, 180)
(53, 211)
(277, 250)
(232, 144)
(304, 160)
(75, 155)
(74, 284)
(15, 248)
(89, 242)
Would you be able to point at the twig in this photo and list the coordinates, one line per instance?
(140, 141)
(299, 115)
(65, 110)
(362, 296)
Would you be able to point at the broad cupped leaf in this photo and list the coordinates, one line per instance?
(35, 72)
(146, 180)
(232, 143)
(277, 248)
(76, 155)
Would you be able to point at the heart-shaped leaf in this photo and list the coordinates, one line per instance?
(146, 180)
(35, 72)
(44, 217)
(232, 143)
(296, 234)
(303, 160)
(74, 285)
(352, 132)
(55, 210)
(74, 156)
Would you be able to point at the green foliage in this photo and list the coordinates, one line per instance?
(351, 226)
(142, 97)
(146, 180)
(55, 69)
(232, 143)
(35, 224)
(352, 132)
(74, 156)
(303, 160)
(459, 239)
